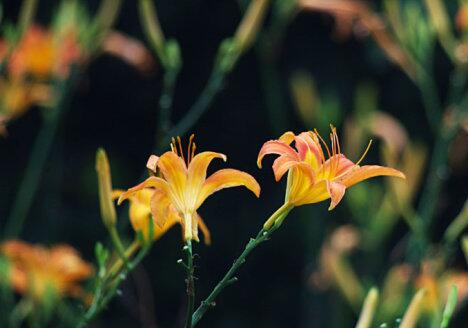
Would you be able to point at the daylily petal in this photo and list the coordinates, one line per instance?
(334, 167)
(204, 229)
(227, 178)
(152, 163)
(314, 194)
(174, 172)
(197, 173)
(281, 165)
(195, 227)
(278, 148)
(300, 182)
(287, 137)
(170, 222)
(151, 182)
(140, 213)
(160, 205)
(116, 193)
(368, 171)
(336, 191)
(309, 149)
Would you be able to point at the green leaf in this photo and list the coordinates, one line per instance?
(449, 307)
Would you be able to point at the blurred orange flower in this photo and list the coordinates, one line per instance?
(183, 187)
(438, 286)
(312, 178)
(41, 54)
(462, 17)
(36, 269)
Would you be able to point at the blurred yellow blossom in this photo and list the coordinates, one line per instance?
(183, 186)
(37, 269)
(17, 95)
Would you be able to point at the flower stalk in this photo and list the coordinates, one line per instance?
(229, 277)
(190, 283)
(39, 154)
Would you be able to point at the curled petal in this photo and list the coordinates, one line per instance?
(227, 178)
(283, 164)
(198, 166)
(287, 137)
(309, 149)
(116, 193)
(278, 148)
(151, 182)
(336, 191)
(368, 171)
(152, 163)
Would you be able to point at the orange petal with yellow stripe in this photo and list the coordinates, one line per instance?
(174, 170)
(278, 148)
(369, 171)
(151, 182)
(198, 166)
(227, 178)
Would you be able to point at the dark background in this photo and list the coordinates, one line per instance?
(115, 106)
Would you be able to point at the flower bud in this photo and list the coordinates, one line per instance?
(105, 189)
(248, 28)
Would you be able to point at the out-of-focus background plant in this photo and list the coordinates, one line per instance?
(130, 75)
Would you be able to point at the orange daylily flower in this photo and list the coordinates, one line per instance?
(313, 178)
(35, 269)
(183, 187)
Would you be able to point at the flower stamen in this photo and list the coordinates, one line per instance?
(365, 152)
(179, 142)
(190, 153)
(323, 141)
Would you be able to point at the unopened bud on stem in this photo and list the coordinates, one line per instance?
(105, 189)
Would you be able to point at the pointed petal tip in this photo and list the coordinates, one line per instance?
(152, 163)
(257, 191)
(121, 199)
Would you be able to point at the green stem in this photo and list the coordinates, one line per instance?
(436, 176)
(105, 18)
(275, 219)
(151, 27)
(165, 104)
(430, 98)
(214, 85)
(229, 278)
(26, 16)
(118, 244)
(190, 283)
(37, 160)
(106, 289)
